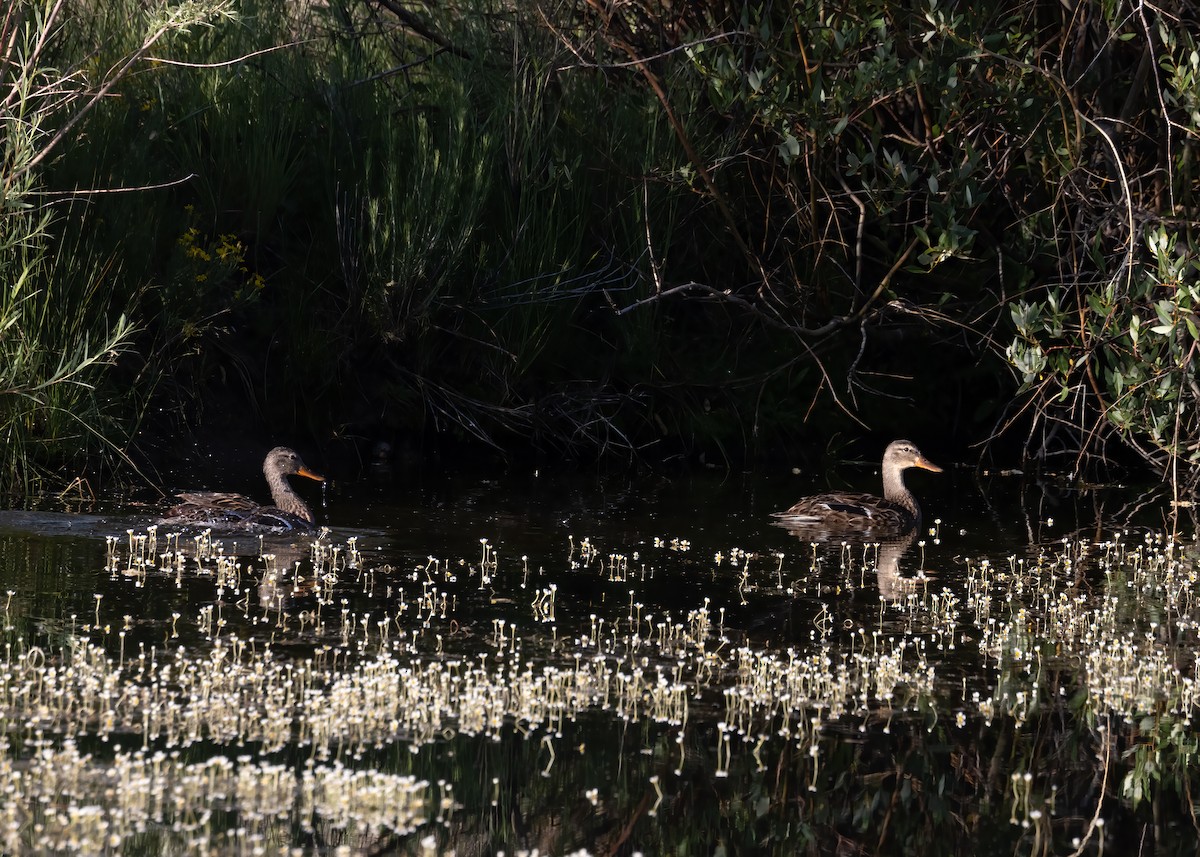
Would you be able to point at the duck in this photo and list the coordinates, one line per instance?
(236, 513)
(895, 513)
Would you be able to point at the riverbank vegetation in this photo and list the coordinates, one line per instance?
(709, 230)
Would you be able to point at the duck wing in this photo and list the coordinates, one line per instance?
(214, 500)
(231, 513)
(848, 513)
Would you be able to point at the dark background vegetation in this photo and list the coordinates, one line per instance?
(650, 231)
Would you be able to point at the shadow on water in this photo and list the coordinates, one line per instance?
(557, 661)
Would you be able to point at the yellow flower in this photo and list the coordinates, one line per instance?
(229, 246)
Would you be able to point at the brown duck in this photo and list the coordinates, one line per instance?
(236, 513)
(895, 513)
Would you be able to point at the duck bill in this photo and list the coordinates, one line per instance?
(925, 464)
(304, 471)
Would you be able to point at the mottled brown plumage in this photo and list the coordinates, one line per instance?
(894, 513)
(226, 512)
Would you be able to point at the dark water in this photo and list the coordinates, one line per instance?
(563, 661)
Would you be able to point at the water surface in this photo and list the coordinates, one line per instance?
(521, 659)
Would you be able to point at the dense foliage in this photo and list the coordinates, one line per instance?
(704, 228)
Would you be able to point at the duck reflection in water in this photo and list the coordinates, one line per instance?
(280, 582)
(893, 585)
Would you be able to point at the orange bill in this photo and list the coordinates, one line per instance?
(925, 464)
